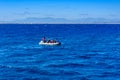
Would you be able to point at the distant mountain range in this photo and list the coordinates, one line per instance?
(50, 20)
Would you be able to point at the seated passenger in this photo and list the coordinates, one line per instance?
(54, 41)
(48, 41)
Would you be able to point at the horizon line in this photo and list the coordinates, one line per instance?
(61, 23)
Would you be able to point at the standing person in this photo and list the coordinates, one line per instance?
(43, 39)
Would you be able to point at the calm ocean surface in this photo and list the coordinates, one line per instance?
(88, 52)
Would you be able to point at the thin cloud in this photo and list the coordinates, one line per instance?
(113, 15)
(25, 13)
(84, 14)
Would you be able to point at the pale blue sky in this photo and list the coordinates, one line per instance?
(68, 9)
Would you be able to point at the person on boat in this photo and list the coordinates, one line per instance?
(52, 41)
(43, 39)
(49, 41)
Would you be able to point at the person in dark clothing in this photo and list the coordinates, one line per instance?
(43, 39)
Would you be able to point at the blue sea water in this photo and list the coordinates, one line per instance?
(88, 52)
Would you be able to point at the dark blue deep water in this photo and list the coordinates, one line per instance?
(88, 52)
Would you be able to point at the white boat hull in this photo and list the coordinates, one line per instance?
(45, 43)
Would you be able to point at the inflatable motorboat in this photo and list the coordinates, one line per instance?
(46, 43)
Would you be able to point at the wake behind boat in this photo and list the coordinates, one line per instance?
(49, 42)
